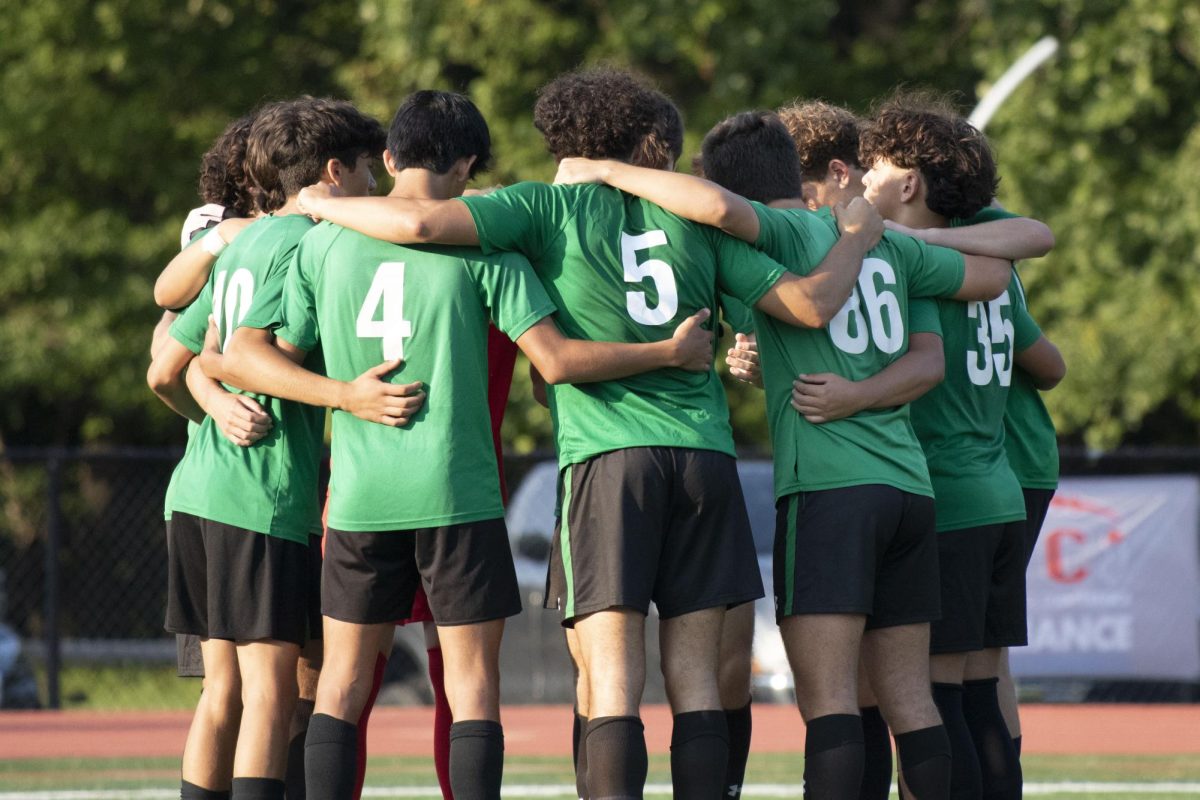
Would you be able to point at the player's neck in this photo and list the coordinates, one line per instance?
(918, 215)
(292, 206)
(424, 184)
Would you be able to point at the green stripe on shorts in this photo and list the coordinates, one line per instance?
(565, 545)
(793, 501)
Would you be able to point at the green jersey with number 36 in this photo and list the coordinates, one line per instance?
(271, 486)
(366, 301)
(622, 269)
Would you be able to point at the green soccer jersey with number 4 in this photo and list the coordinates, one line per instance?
(875, 446)
(622, 269)
(366, 301)
(271, 486)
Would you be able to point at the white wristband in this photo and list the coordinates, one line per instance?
(213, 244)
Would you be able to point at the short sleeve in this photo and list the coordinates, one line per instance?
(513, 293)
(525, 217)
(267, 306)
(1026, 331)
(923, 317)
(298, 305)
(743, 272)
(933, 271)
(736, 314)
(190, 327)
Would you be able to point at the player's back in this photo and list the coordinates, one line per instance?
(366, 301)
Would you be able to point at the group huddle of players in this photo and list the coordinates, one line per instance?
(914, 459)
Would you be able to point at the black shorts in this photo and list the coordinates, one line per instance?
(467, 571)
(1037, 505)
(983, 589)
(661, 524)
(228, 583)
(868, 549)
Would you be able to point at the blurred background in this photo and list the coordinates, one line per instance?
(107, 105)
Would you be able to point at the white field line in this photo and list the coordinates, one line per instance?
(751, 791)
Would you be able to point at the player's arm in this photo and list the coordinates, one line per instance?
(984, 277)
(824, 397)
(1012, 239)
(239, 418)
(165, 377)
(813, 300)
(1043, 363)
(182, 279)
(160, 335)
(539, 387)
(257, 361)
(686, 195)
(563, 360)
(393, 219)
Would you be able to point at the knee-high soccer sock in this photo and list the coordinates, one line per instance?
(998, 763)
(699, 754)
(925, 762)
(190, 791)
(965, 781)
(877, 756)
(360, 759)
(442, 719)
(579, 747)
(256, 789)
(293, 780)
(616, 755)
(740, 724)
(833, 757)
(330, 758)
(476, 759)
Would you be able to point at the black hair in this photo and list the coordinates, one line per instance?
(753, 154)
(432, 130)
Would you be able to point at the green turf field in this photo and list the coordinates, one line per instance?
(1065, 777)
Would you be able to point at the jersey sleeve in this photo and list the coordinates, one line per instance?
(512, 292)
(743, 272)
(1026, 331)
(933, 271)
(298, 305)
(190, 327)
(736, 314)
(524, 217)
(266, 309)
(923, 317)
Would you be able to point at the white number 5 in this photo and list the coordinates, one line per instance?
(387, 288)
(654, 269)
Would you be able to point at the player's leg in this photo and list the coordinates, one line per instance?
(582, 713)
(690, 647)
(208, 752)
(877, 740)
(443, 717)
(737, 643)
(269, 691)
(308, 671)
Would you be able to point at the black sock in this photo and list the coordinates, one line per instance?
(476, 759)
(740, 725)
(293, 779)
(616, 755)
(190, 791)
(699, 754)
(1017, 745)
(579, 750)
(877, 756)
(330, 758)
(833, 757)
(925, 761)
(998, 763)
(965, 781)
(256, 789)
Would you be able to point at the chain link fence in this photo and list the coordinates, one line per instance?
(83, 579)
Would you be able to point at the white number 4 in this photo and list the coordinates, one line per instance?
(387, 289)
(654, 269)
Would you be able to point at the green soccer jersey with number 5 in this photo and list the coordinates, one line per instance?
(365, 301)
(875, 446)
(622, 269)
(271, 486)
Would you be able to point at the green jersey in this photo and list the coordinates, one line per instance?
(271, 486)
(622, 269)
(961, 421)
(366, 301)
(868, 333)
(1029, 436)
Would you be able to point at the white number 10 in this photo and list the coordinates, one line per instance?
(387, 289)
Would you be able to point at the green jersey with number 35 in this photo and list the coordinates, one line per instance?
(366, 301)
(271, 486)
(622, 269)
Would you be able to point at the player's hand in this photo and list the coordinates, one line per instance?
(693, 348)
(581, 170)
(742, 359)
(859, 218)
(824, 397)
(371, 397)
(310, 197)
(240, 418)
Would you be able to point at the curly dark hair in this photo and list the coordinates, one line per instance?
(599, 112)
(822, 132)
(291, 141)
(663, 145)
(223, 178)
(922, 131)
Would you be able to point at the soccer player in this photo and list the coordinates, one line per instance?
(652, 508)
(928, 166)
(239, 565)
